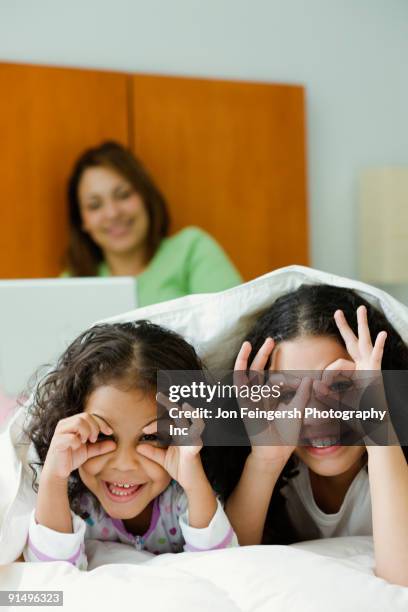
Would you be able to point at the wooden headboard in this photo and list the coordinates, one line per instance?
(229, 156)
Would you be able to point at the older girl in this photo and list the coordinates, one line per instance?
(323, 489)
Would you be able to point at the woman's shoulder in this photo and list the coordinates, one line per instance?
(188, 235)
(188, 243)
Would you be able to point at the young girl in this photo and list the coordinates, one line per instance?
(323, 489)
(105, 474)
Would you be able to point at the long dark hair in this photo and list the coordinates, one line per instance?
(127, 355)
(83, 255)
(308, 311)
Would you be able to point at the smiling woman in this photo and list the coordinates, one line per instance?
(119, 226)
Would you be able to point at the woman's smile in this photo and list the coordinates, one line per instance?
(119, 229)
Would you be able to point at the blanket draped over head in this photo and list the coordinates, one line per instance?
(216, 325)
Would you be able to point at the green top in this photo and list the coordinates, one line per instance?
(188, 262)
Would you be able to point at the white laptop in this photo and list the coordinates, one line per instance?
(40, 317)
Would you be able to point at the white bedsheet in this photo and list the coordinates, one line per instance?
(333, 575)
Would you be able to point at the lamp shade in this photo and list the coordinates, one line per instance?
(383, 228)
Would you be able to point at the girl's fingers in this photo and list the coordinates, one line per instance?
(99, 425)
(340, 366)
(302, 394)
(347, 334)
(378, 349)
(195, 431)
(88, 428)
(85, 433)
(64, 441)
(150, 429)
(158, 455)
(100, 448)
(262, 356)
(180, 420)
(289, 430)
(197, 426)
(241, 362)
(85, 426)
(163, 400)
(364, 336)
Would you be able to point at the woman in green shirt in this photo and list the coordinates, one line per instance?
(119, 226)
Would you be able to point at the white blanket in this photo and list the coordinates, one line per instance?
(333, 575)
(254, 578)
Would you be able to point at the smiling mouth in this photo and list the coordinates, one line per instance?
(343, 437)
(324, 442)
(119, 230)
(121, 491)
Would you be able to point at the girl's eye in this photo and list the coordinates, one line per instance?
(341, 386)
(149, 438)
(156, 439)
(102, 437)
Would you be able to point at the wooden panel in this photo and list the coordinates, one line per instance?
(230, 157)
(47, 117)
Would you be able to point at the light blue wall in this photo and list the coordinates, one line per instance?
(352, 55)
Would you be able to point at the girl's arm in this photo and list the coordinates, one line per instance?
(55, 533)
(53, 510)
(74, 442)
(202, 520)
(387, 467)
(388, 476)
(44, 544)
(248, 504)
(183, 463)
(202, 503)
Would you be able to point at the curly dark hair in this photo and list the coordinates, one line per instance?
(127, 355)
(307, 311)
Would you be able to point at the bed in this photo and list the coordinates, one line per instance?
(336, 573)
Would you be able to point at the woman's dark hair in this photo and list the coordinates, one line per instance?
(308, 311)
(83, 255)
(126, 355)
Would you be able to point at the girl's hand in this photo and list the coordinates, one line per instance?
(183, 462)
(364, 367)
(363, 370)
(74, 442)
(365, 356)
(268, 446)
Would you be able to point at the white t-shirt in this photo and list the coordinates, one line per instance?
(310, 522)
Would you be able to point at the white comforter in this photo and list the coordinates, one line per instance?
(333, 575)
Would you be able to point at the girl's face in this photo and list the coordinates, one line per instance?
(123, 480)
(112, 213)
(316, 353)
